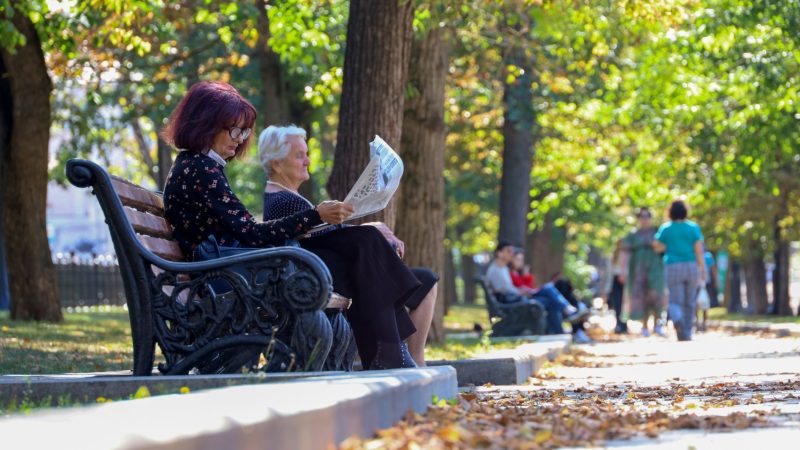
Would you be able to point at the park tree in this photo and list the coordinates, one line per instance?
(31, 275)
(723, 98)
(420, 204)
(519, 122)
(377, 52)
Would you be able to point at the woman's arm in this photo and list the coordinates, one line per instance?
(387, 233)
(701, 260)
(226, 207)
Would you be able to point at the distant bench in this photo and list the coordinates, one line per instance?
(281, 312)
(512, 319)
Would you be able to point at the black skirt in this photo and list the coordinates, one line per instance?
(365, 268)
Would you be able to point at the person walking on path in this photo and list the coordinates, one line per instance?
(681, 241)
(643, 272)
(710, 295)
(614, 289)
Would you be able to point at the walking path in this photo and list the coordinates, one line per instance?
(718, 391)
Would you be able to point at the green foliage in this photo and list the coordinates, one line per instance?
(635, 103)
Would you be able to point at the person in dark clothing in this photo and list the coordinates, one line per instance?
(284, 154)
(615, 290)
(212, 125)
(564, 286)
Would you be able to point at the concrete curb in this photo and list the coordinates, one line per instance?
(67, 389)
(780, 329)
(505, 367)
(310, 413)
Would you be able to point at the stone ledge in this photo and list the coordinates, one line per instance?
(310, 413)
(512, 366)
(68, 389)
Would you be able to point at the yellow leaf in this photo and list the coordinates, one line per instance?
(142, 392)
(543, 436)
(449, 433)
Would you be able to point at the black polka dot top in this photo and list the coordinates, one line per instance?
(278, 205)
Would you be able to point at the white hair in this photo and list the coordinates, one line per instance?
(274, 145)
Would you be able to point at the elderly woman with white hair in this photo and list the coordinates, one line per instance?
(284, 154)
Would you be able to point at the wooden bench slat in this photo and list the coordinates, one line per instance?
(137, 197)
(338, 302)
(148, 224)
(166, 249)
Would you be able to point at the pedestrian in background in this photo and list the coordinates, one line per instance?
(643, 272)
(681, 241)
(614, 288)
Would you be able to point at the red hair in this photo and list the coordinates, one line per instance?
(208, 108)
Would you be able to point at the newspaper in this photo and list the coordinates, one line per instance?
(378, 182)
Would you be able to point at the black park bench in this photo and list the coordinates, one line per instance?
(279, 315)
(512, 319)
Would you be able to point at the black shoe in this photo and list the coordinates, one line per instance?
(621, 328)
(392, 356)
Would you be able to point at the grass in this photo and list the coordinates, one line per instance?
(722, 314)
(466, 348)
(461, 318)
(84, 342)
(100, 340)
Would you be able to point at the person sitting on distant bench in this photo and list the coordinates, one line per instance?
(521, 274)
(498, 279)
(566, 289)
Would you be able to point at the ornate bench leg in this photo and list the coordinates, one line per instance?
(343, 351)
(312, 338)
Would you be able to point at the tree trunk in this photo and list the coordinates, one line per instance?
(518, 125)
(545, 250)
(5, 142)
(274, 101)
(420, 205)
(468, 273)
(164, 154)
(733, 288)
(451, 292)
(31, 276)
(780, 276)
(375, 66)
(755, 278)
(448, 281)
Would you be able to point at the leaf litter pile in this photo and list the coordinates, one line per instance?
(542, 418)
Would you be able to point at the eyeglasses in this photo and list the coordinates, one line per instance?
(236, 133)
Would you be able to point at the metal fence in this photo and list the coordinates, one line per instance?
(88, 280)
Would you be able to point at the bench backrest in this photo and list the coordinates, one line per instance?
(491, 298)
(145, 213)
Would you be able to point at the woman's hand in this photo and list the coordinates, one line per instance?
(334, 212)
(399, 246)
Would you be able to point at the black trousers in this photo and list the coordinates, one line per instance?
(365, 268)
(615, 298)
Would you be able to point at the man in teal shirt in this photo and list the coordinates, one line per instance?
(681, 241)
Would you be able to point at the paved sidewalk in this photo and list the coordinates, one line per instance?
(755, 362)
(736, 326)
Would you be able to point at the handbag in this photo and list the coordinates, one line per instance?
(703, 300)
(210, 249)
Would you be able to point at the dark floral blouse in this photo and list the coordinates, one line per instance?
(198, 202)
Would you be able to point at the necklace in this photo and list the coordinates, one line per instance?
(290, 190)
(282, 186)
